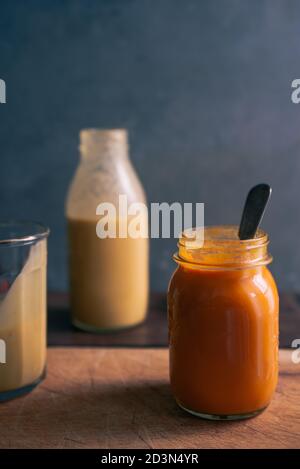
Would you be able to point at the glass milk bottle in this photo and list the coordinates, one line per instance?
(108, 276)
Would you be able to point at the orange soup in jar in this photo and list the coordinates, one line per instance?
(223, 325)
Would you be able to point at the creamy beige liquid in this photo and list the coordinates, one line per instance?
(109, 278)
(23, 323)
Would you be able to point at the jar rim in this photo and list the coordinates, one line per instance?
(21, 232)
(220, 235)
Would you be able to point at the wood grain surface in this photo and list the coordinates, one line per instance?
(153, 332)
(120, 398)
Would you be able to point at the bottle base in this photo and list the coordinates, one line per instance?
(12, 394)
(103, 330)
(231, 417)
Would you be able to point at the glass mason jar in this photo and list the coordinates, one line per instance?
(23, 261)
(223, 325)
(108, 276)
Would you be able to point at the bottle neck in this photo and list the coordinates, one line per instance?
(221, 249)
(104, 146)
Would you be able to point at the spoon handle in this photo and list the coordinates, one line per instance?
(254, 209)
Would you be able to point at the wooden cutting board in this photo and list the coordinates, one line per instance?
(120, 398)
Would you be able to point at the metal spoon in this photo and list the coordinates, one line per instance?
(254, 210)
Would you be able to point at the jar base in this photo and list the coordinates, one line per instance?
(205, 416)
(12, 394)
(103, 330)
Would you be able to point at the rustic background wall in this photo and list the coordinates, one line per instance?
(202, 86)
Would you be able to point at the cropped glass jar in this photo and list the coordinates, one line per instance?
(23, 279)
(223, 325)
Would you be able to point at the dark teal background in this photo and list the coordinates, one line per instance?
(202, 85)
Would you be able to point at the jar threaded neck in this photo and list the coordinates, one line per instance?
(220, 248)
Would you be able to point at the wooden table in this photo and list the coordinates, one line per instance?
(120, 398)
